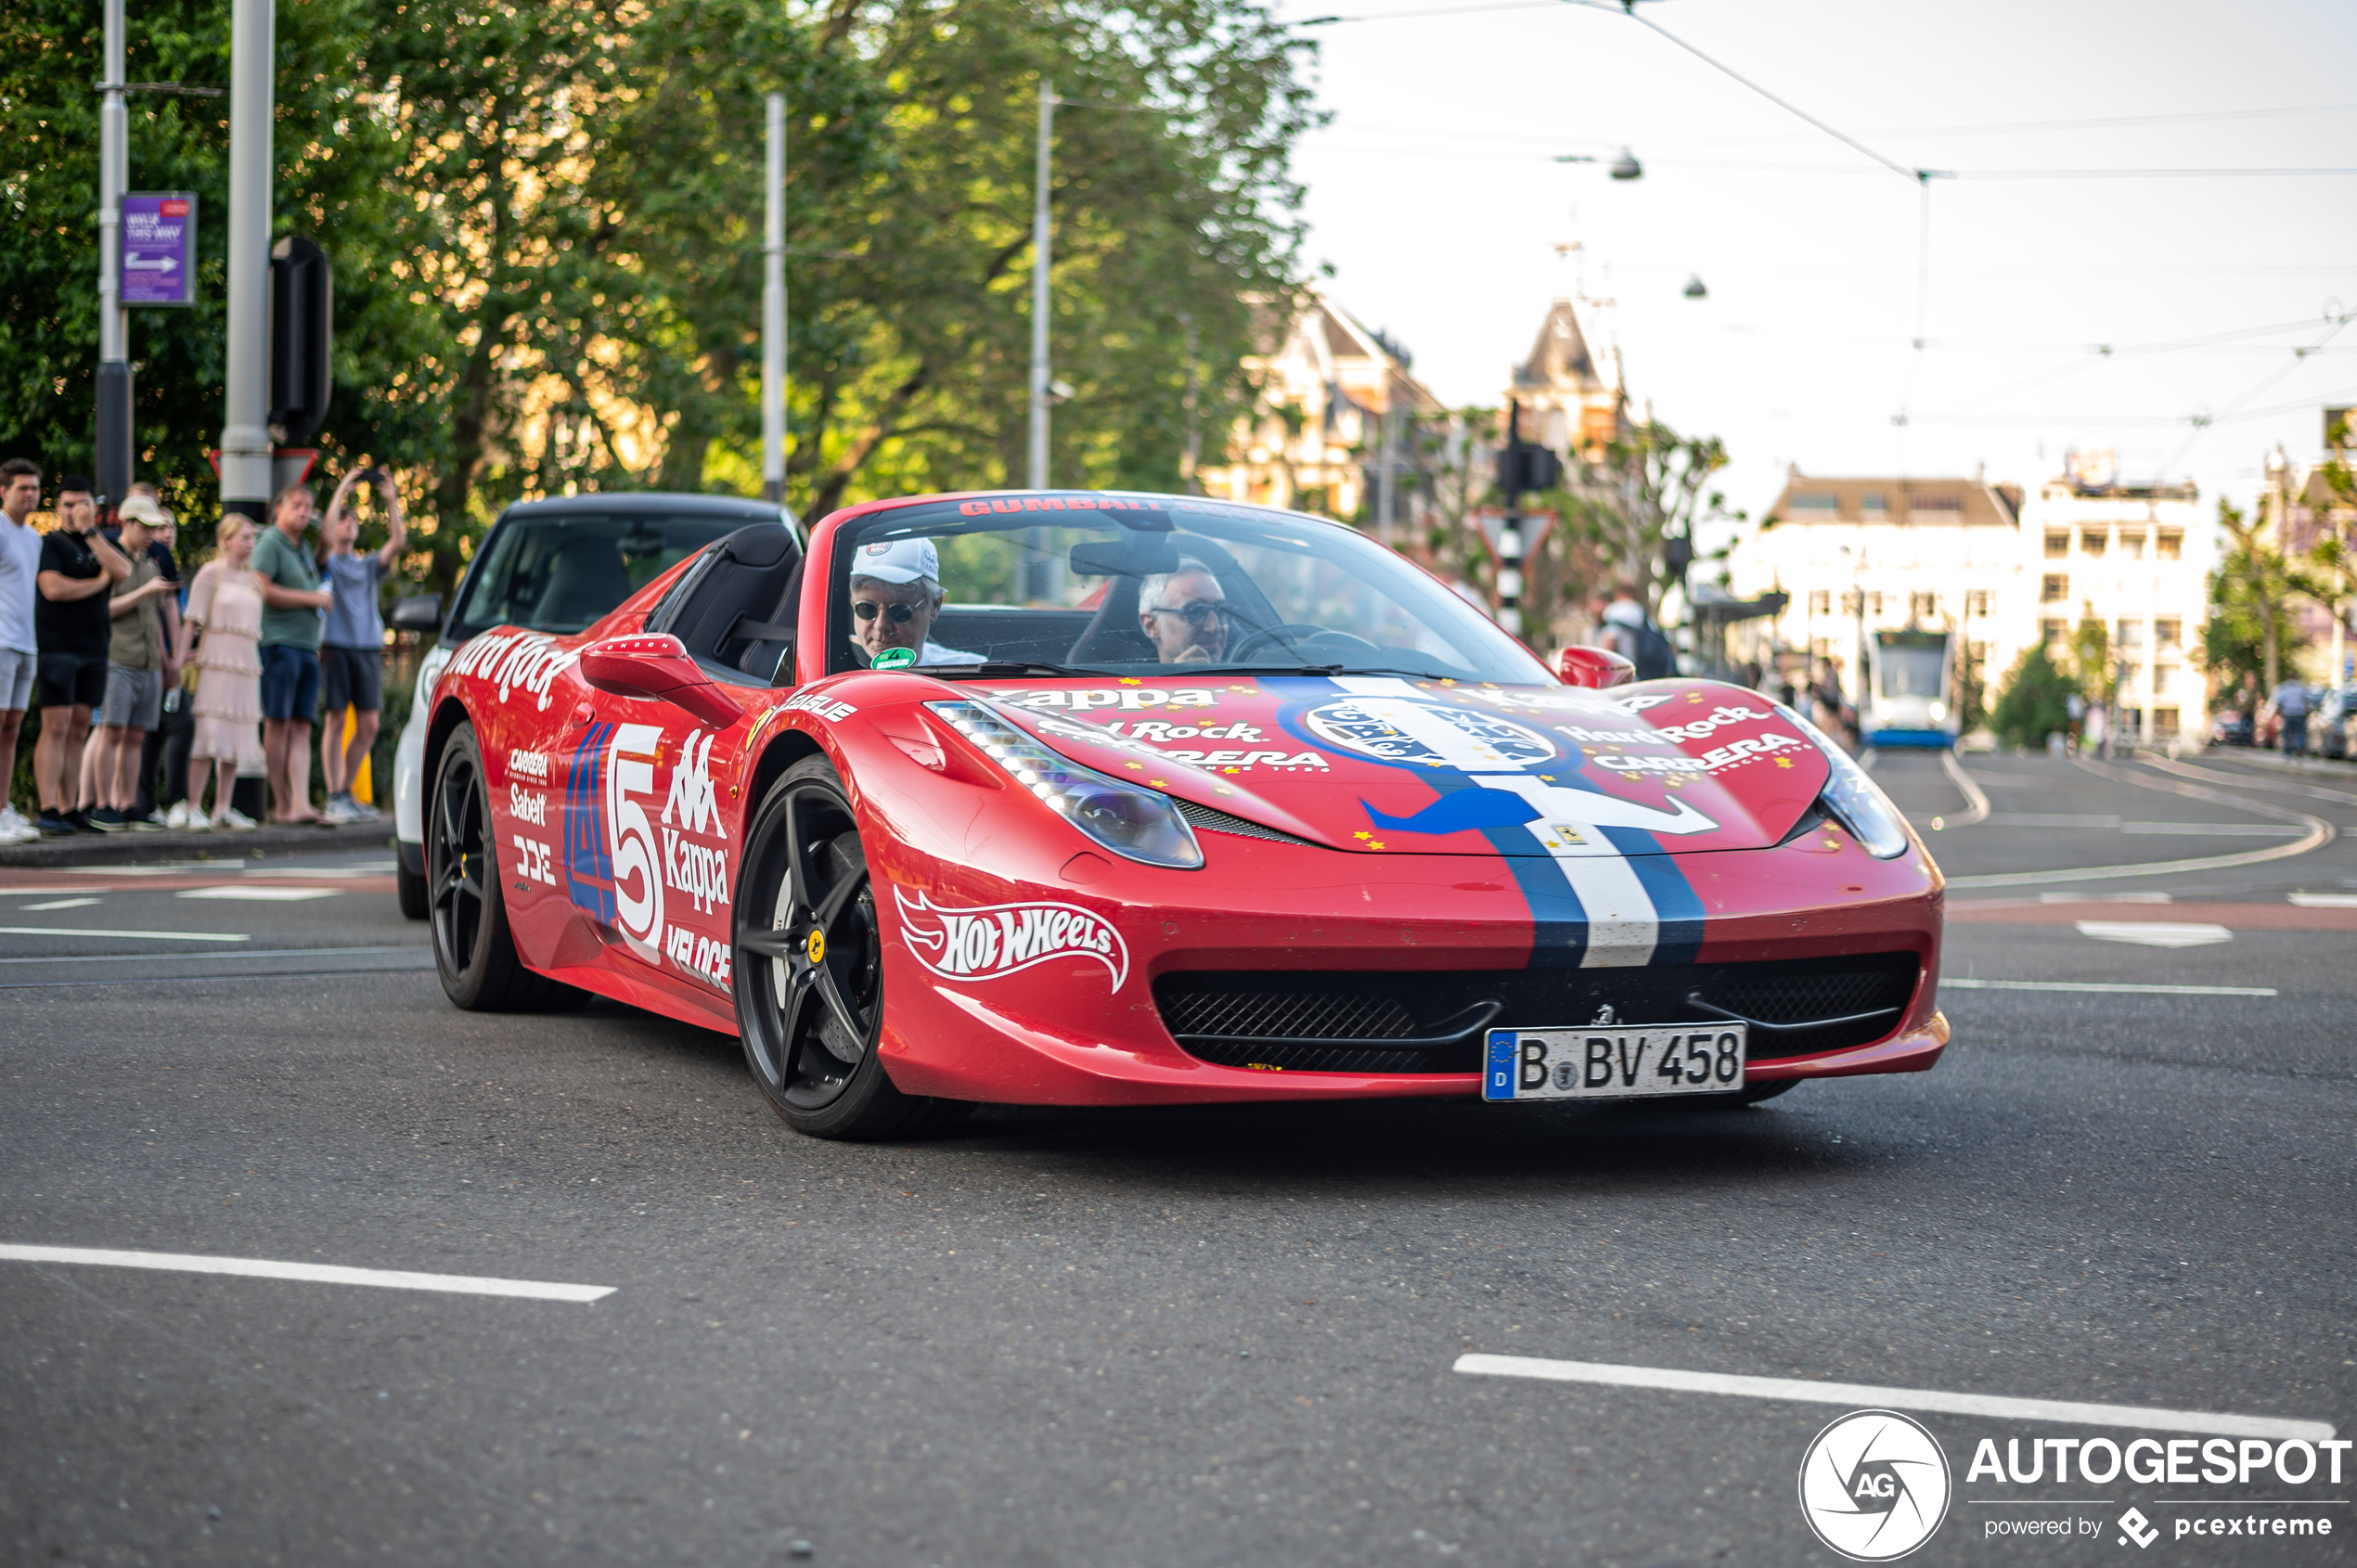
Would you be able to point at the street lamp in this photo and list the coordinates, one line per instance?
(1624, 167)
(1694, 290)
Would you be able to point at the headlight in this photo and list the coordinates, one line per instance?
(1137, 823)
(1938, 709)
(1853, 799)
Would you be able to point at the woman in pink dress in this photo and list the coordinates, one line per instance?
(224, 619)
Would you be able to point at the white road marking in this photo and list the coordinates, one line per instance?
(365, 868)
(1870, 1396)
(2049, 819)
(56, 903)
(30, 891)
(1976, 798)
(138, 935)
(2215, 829)
(2108, 987)
(2326, 899)
(2156, 933)
(263, 895)
(313, 1273)
(2106, 898)
(200, 957)
(2320, 834)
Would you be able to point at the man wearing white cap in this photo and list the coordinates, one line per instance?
(896, 593)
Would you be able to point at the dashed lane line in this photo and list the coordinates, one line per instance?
(250, 953)
(311, 1272)
(1872, 1396)
(2105, 987)
(134, 935)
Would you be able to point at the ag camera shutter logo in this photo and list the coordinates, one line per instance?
(1874, 1485)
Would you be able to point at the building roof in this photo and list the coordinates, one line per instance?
(1972, 502)
(1563, 359)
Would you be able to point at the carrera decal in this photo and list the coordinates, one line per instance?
(529, 764)
(527, 661)
(1751, 746)
(991, 941)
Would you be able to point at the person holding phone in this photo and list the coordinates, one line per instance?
(352, 644)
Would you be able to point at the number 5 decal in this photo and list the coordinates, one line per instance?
(630, 774)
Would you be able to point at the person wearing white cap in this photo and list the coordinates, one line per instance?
(896, 593)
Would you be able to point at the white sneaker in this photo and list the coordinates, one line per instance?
(198, 821)
(362, 811)
(177, 817)
(337, 812)
(14, 829)
(231, 816)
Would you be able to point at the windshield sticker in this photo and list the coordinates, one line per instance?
(1056, 503)
(989, 941)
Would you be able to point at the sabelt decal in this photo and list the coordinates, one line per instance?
(991, 941)
(638, 881)
(528, 806)
(509, 661)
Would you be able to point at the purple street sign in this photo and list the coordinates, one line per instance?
(158, 249)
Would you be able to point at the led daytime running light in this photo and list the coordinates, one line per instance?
(1136, 823)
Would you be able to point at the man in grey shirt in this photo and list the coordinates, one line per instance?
(138, 667)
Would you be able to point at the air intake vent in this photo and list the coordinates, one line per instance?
(1213, 822)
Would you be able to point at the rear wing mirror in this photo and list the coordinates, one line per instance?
(1594, 667)
(655, 667)
(417, 612)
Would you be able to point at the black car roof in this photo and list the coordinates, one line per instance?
(671, 503)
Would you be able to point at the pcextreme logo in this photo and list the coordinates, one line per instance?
(1874, 1485)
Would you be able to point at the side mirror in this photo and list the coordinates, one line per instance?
(417, 612)
(654, 666)
(1594, 667)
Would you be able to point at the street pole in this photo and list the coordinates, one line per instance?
(114, 435)
(773, 312)
(245, 434)
(1510, 531)
(1039, 292)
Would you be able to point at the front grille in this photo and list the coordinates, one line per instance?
(1338, 1022)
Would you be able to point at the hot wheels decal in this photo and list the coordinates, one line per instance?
(989, 941)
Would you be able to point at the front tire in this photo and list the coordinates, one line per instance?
(808, 971)
(473, 952)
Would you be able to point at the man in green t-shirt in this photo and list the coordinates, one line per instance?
(293, 605)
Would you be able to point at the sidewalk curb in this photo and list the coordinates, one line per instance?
(126, 847)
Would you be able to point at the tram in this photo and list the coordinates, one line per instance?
(1909, 695)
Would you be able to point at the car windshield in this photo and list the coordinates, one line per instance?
(1135, 584)
(1912, 669)
(559, 572)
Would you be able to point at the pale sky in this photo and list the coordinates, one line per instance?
(1435, 196)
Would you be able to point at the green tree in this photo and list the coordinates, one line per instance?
(1648, 486)
(2252, 590)
(2035, 702)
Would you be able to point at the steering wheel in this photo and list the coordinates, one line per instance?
(1271, 633)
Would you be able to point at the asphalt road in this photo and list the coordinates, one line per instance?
(1208, 1337)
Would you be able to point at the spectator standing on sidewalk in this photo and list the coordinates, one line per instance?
(293, 605)
(352, 647)
(19, 653)
(2291, 706)
(139, 665)
(165, 756)
(78, 568)
(223, 624)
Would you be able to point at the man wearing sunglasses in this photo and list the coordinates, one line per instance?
(1185, 614)
(896, 593)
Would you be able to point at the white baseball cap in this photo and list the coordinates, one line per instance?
(144, 509)
(897, 561)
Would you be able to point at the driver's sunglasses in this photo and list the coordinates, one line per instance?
(1198, 613)
(901, 614)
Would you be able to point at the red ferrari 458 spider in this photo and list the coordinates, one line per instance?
(1087, 797)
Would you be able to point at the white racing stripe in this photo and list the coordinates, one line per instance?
(1871, 1397)
(311, 1272)
(2106, 986)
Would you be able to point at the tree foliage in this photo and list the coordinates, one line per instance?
(545, 224)
(2251, 627)
(2036, 700)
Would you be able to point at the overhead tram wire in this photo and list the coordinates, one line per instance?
(2201, 422)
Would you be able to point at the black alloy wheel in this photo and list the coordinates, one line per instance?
(473, 952)
(809, 969)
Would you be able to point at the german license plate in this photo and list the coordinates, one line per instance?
(1612, 1061)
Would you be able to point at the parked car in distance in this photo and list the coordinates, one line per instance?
(551, 568)
(2330, 726)
(2230, 727)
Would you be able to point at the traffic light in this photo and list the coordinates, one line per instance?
(302, 339)
(1524, 465)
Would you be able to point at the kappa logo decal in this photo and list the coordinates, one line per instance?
(990, 941)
